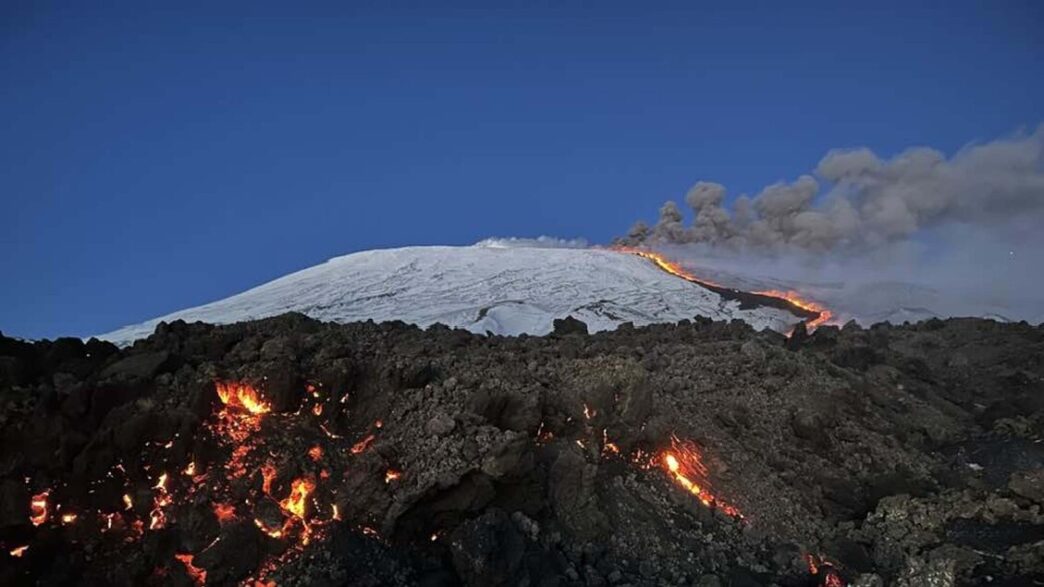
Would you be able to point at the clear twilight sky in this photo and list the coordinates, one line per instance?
(153, 159)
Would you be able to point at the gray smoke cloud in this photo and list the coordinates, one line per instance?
(857, 202)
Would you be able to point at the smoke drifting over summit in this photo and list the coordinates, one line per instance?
(857, 202)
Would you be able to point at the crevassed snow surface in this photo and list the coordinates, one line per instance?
(506, 291)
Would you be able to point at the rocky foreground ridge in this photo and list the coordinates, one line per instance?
(295, 452)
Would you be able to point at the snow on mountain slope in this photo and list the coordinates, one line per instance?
(507, 291)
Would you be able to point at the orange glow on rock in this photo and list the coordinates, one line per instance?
(392, 475)
(315, 453)
(157, 519)
(684, 463)
(68, 518)
(363, 444)
(225, 512)
(38, 508)
(199, 576)
(18, 551)
(296, 502)
(241, 395)
(272, 532)
(268, 474)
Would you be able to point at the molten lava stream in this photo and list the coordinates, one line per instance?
(794, 298)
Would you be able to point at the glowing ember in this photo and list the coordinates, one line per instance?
(38, 509)
(796, 299)
(268, 474)
(68, 518)
(317, 409)
(685, 465)
(199, 576)
(336, 513)
(17, 552)
(157, 519)
(608, 447)
(161, 483)
(127, 502)
(273, 532)
(391, 475)
(225, 512)
(824, 571)
(589, 413)
(363, 444)
(299, 490)
(190, 470)
(241, 395)
(315, 453)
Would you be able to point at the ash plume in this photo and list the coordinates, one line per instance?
(858, 202)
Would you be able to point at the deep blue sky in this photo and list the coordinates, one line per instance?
(154, 159)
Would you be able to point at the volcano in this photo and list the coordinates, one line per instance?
(501, 290)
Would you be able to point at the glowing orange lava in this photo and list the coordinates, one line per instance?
(684, 463)
(225, 512)
(272, 532)
(796, 299)
(363, 444)
(157, 519)
(199, 576)
(300, 489)
(315, 453)
(68, 518)
(18, 551)
(241, 395)
(824, 315)
(38, 508)
(665, 264)
(268, 474)
(392, 475)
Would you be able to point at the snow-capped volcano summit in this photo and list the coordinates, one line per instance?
(504, 290)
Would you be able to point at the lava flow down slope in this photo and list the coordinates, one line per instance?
(288, 451)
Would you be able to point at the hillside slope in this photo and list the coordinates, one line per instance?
(506, 291)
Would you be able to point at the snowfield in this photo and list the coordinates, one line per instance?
(504, 290)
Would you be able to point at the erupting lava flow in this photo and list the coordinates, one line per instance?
(818, 314)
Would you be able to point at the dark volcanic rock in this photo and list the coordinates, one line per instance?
(488, 550)
(381, 454)
(569, 325)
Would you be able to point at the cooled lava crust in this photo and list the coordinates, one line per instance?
(292, 452)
